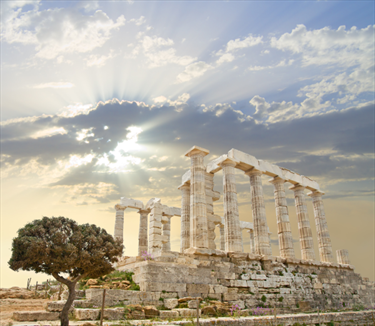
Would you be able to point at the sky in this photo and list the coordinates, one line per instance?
(101, 99)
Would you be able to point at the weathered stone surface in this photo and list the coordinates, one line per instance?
(169, 314)
(209, 310)
(35, 315)
(86, 314)
(57, 306)
(113, 313)
(187, 312)
(170, 303)
(150, 311)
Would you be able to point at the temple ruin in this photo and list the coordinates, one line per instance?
(228, 273)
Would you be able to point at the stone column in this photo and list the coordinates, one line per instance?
(324, 240)
(304, 229)
(142, 236)
(167, 234)
(232, 230)
(119, 223)
(198, 209)
(343, 257)
(282, 217)
(261, 238)
(209, 177)
(155, 228)
(251, 234)
(222, 238)
(185, 217)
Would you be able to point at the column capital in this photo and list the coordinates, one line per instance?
(297, 187)
(316, 193)
(253, 171)
(228, 162)
(276, 180)
(119, 207)
(184, 186)
(197, 150)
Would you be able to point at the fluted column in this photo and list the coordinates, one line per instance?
(119, 223)
(282, 217)
(251, 234)
(167, 234)
(324, 240)
(261, 238)
(185, 217)
(209, 177)
(304, 228)
(142, 235)
(198, 209)
(343, 257)
(222, 238)
(233, 234)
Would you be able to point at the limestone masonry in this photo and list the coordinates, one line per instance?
(228, 273)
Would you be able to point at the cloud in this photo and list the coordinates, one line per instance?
(99, 61)
(131, 146)
(329, 47)
(193, 70)
(159, 52)
(55, 85)
(59, 31)
(235, 45)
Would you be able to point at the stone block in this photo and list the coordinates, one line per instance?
(258, 277)
(151, 311)
(169, 314)
(58, 306)
(87, 314)
(197, 288)
(113, 313)
(220, 289)
(193, 304)
(209, 310)
(188, 312)
(159, 287)
(168, 295)
(318, 286)
(35, 315)
(230, 296)
(170, 303)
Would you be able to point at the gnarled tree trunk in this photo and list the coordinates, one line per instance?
(64, 315)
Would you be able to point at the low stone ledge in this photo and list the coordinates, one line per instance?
(169, 314)
(113, 313)
(57, 306)
(86, 314)
(184, 312)
(35, 315)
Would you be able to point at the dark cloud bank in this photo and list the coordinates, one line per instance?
(349, 134)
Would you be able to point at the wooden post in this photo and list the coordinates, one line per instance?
(198, 301)
(36, 287)
(102, 312)
(46, 294)
(28, 283)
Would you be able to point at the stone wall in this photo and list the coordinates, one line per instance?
(251, 280)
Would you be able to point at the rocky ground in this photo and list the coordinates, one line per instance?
(18, 299)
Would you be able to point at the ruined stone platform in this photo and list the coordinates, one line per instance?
(249, 280)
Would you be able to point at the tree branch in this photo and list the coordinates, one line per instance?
(61, 279)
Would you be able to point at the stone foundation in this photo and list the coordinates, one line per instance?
(248, 280)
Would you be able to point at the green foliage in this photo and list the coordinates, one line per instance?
(182, 305)
(281, 273)
(251, 293)
(264, 298)
(60, 245)
(297, 305)
(310, 277)
(330, 323)
(134, 287)
(281, 299)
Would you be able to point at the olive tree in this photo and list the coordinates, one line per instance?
(58, 246)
